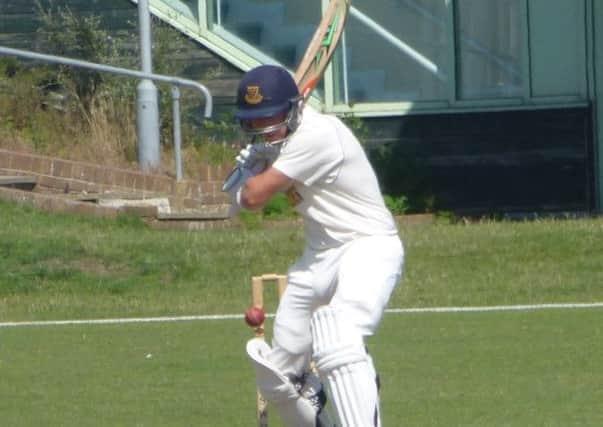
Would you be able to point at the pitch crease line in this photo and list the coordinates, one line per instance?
(525, 307)
(531, 307)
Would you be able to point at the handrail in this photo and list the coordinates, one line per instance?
(175, 81)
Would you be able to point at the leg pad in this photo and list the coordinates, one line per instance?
(342, 361)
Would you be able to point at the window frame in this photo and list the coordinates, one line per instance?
(236, 51)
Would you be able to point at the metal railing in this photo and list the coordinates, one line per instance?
(174, 81)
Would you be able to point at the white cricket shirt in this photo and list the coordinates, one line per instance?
(339, 196)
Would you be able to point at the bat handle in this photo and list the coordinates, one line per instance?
(309, 86)
(232, 178)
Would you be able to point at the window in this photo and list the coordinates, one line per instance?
(489, 40)
(558, 61)
(404, 55)
(281, 30)
(396, 51)
(188, 8)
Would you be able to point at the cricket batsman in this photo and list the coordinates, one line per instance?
(338, 289)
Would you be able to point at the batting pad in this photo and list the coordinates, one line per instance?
(341, 359)
(276, 388)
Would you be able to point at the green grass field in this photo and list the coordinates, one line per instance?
(519, 368)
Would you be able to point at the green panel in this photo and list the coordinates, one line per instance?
(557, 46)
(13, 24)
(598, 99)
(8, 7)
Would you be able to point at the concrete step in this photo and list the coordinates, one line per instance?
(189, 226)
(82, 188)
(203, 218)
(193, 215)
(20, 182)
(210, 218)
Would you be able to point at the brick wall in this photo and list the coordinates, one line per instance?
(77, 177)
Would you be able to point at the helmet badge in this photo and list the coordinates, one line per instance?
(253, 95)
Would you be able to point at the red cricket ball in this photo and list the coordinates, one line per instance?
(254, 316)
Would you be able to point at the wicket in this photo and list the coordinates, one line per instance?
(257, 299)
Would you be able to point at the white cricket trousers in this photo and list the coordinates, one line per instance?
(356, 278)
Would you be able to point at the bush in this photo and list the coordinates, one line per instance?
(403, 172)
(397, 205)
(82, 115)
(278, 207)
(67, 34)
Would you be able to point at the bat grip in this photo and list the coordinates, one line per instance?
(232, 178)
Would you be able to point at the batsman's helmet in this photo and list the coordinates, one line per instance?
(267, 91)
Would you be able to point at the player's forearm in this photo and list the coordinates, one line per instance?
(253, 198)
(260, 188)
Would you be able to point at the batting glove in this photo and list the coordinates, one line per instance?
(256, 157)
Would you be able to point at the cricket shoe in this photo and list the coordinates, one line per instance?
(310, 387)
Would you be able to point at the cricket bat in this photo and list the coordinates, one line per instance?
(315, 60)
(321, 48)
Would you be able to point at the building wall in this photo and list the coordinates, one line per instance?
(19, 23)
(475, 162)
(596, 88)
(489, 162)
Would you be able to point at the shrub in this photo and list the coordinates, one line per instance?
(278, 207)
(82, 115)
(397, 205)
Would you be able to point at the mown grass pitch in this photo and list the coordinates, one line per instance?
(528, 368)
(525, 368)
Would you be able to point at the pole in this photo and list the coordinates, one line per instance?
(147, 106)
(177, 133)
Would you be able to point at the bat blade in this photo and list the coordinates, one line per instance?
(322, 46)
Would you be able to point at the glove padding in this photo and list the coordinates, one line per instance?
(237, 179)
(257, 157)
